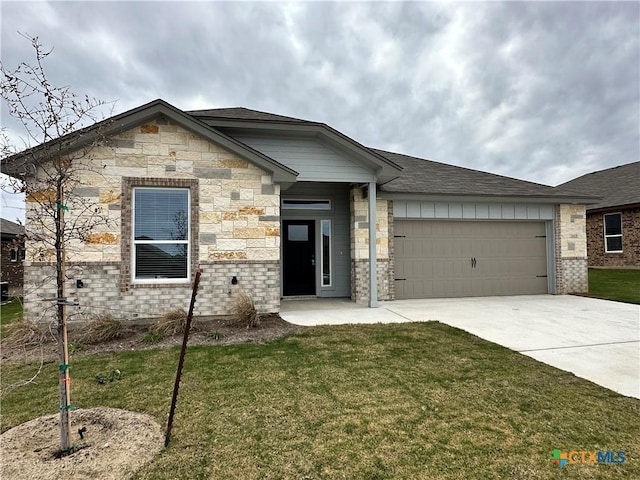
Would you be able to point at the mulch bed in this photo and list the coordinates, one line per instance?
(210, 331)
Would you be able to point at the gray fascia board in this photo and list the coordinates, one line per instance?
(140, 115)
(425, 197)
(613, 208)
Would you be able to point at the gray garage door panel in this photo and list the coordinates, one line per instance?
(433, 258)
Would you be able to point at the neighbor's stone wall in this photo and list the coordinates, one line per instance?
(237, 229)
(630, 255)
(571, 249)
(360, 247)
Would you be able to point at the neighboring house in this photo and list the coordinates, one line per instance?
(613, 224)
(12, 256)
(283, 207)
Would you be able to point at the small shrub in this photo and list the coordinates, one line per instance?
(27, 333)
(151, 337)
(74, 347)
(114, 375)
(173, 322)
(244, 310)
(214, 335)
(102, 328)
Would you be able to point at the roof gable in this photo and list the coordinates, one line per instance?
(617, 186)
(242, 121)
(139, 116)
(10, 229)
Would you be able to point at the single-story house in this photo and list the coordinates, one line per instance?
(12, 256)
(613, 224)
(283, 207)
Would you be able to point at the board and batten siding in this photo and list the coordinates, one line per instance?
(312, 159)
(339, 216)
(472, 211)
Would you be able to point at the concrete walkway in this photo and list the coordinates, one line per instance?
(595, 339)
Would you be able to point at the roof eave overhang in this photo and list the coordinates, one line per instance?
(138, 116)
(613, 208)
(385, 169)
(475, 198)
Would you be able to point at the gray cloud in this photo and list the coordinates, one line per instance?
(539, 91)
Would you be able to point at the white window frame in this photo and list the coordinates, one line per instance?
(606, 236)
(14, 255)
(322, 284)
(135, 242)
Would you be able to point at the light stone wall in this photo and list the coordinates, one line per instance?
(239, 220)
(360, 226)
(360, 247)
(573, 236)
(571, 249)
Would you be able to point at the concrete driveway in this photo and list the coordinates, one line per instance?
(595, 339)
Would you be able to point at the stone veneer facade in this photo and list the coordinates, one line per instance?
(360, 247)
(235, 232)
(571, 249)
(235, 229)
(630, 255)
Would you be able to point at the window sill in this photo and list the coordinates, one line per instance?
(176, 284)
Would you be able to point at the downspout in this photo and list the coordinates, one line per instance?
(373, 261)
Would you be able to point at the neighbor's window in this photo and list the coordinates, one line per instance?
(14, 255)
(161, 230)
(613, 232)
(326, 253)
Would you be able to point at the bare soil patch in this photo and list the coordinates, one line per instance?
(116, 443)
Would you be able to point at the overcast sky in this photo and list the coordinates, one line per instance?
(539, 91)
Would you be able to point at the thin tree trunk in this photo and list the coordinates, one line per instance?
(63, 352)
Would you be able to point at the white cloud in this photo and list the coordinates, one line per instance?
(536, 90)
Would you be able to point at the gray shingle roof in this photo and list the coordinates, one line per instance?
(429, 177)
(241, 113)
(9, 228)
(617, 186)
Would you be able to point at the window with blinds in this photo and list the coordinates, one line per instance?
(161, 229)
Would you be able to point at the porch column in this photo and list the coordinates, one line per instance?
(373, 261)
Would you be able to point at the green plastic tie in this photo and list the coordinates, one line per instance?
(63, 367)
(68, 407)
(63, 207)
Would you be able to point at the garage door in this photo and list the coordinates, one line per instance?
(465, 259)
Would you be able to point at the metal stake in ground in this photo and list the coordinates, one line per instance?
(176, 386)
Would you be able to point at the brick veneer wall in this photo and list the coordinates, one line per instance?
(360, 281)
(571, 249)
(101, 292)
(236, 228)
(12, 272)
(630, 256)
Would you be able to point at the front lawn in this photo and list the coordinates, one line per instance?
(622, 285)
(397, 401)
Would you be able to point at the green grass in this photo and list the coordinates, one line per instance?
(622, 285)
(398, 401)
(10, 312)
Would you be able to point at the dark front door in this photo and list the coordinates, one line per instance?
(299, 257)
